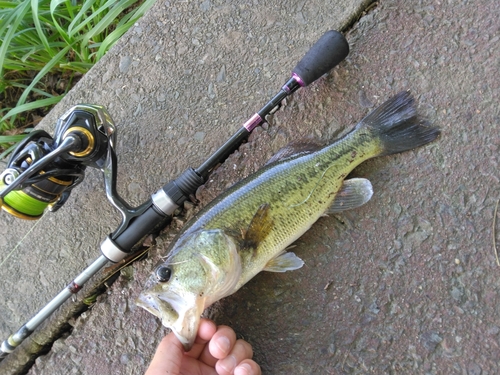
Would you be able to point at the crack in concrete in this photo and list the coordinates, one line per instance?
(363, 9)
(57, 326)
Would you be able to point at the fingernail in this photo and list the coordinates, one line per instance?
(223, 344)
(243, 369)
(228, 364)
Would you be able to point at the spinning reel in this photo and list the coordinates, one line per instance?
(42, 171)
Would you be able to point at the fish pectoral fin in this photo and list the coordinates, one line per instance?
(353, 194)
(258, 229)
(284, 262)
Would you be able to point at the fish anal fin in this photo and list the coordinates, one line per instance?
(259, 228)
(284, 262)
(302, 147)
(354, 193)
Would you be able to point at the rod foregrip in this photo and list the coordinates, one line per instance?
(325, 54)
(139, 228)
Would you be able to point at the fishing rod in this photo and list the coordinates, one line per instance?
(43, 170)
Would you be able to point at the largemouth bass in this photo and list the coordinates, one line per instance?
(247, 228)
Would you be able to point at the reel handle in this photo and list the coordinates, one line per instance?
(325, 54)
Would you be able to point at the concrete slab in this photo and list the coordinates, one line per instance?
(181, 81)
(405, 284)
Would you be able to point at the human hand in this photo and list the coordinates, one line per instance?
(215, 351)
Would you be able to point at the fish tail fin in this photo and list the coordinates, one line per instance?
(396, 124)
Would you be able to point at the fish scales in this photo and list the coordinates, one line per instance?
(248, 228)
(300, 188)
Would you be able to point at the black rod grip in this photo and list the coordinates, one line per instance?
(141, 226)
(327, 52)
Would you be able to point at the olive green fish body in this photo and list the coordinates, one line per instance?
(298, 191)
(247, 229)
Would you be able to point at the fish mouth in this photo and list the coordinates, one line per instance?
(158, 307)
(180, 314)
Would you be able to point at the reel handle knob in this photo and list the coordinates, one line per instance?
(323, 56)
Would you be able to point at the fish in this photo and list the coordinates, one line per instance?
(248, 228)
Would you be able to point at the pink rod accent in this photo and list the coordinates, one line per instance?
(298, 79)
(254, 121)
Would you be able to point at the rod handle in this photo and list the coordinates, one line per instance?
(325, 54)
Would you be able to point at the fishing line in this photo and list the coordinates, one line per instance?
(313, 189)
(25, 204)
(21, 241)
(494, 233)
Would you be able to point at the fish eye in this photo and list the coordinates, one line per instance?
(163, 274)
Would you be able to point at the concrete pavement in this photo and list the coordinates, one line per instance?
(405, 284)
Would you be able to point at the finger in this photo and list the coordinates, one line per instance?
(248, 367)
(219, 346)
(205, 332)
(241, 351)
(222, 342)
(168, 357)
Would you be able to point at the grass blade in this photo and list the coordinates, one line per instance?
(12, 138)
(8, 28)
(107, 20)
(121, 29)
(13, 112)
(38, 26)
(10, 149)
(31, 106)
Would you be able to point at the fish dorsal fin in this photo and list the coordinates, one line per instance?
(260, 226)
(284, 262)
(295, 148)
(353, 194)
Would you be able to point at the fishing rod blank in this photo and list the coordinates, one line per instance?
(88, 136)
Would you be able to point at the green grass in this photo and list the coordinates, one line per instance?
(47, 38)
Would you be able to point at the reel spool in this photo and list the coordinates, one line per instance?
(42, 170)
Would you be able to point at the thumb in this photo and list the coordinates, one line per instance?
(168, 357)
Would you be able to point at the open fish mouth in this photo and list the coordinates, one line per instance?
(158, 307)
(180, 314)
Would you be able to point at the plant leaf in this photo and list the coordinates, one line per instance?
(31, 106)
(8, 29)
